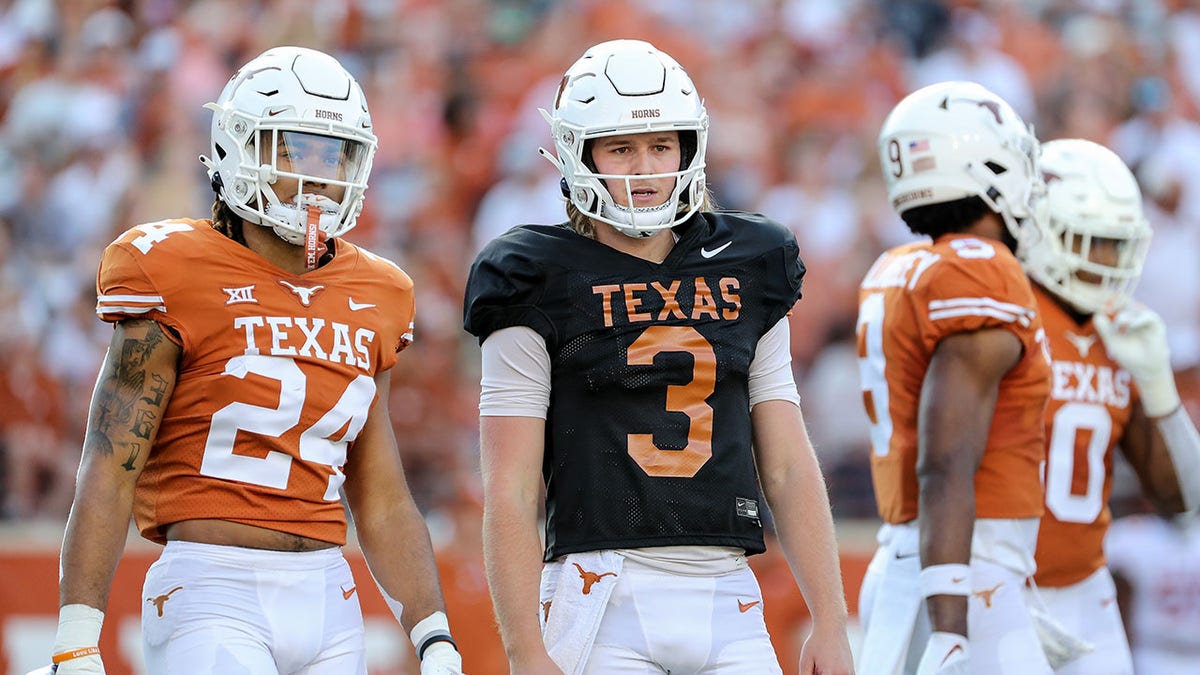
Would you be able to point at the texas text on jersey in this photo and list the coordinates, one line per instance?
(658, 348)
(287, 367)
(917, 295)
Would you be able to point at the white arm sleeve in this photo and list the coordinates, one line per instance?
(516, 374)
(771, 371)
(1183, 444)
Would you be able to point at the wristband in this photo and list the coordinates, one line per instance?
(949, 579)
(430, 630)
(431, 641)
(74, 654)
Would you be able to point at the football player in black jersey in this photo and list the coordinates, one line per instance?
(636, 363)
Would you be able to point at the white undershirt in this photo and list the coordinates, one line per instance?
(516, 372)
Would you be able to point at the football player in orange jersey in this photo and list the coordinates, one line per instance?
(636, 366)
(955, 378)
(244, 392)
(1112, 386)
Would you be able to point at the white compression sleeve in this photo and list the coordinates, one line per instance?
(771, 370)
(516, 374)
(1183, 444)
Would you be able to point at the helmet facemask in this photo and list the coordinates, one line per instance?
(1089, 281)
(628, 87)
(319, 176)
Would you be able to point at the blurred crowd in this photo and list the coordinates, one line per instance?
(101, 123)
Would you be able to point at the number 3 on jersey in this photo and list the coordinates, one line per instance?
(317, 443)
(689, 399)
(871, 365)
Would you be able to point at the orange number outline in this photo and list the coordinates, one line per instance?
(689, 399)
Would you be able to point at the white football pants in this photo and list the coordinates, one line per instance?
(1002, 637)
(210, 610)
(1089, 611)
(658, 622)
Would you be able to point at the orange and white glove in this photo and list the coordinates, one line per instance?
(945, 654)
(1136, 338)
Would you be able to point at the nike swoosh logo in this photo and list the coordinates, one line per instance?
(355, 306)
(708, 254)
(957, 580)
(956, 648)
(743, 607)
(347, 593)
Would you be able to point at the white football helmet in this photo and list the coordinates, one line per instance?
(625, 87)
(303, 105)
(953, 140)
(1092, 200)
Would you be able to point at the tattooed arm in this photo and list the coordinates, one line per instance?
(131, 395)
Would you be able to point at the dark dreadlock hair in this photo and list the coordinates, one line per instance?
(225, 221)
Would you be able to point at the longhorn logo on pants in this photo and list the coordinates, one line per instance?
(590, 578)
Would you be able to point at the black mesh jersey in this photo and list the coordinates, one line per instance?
(648, 439)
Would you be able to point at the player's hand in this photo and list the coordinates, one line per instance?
(535, 662)
(826, 652)
(441, 658)
(945, 654)
(1136, 338)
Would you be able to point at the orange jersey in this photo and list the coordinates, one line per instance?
(276, 377)
(1091, 401)
(911, 298)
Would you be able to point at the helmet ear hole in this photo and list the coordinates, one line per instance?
(687, 149)
(586, 155)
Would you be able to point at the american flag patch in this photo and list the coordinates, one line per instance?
(919, 146)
